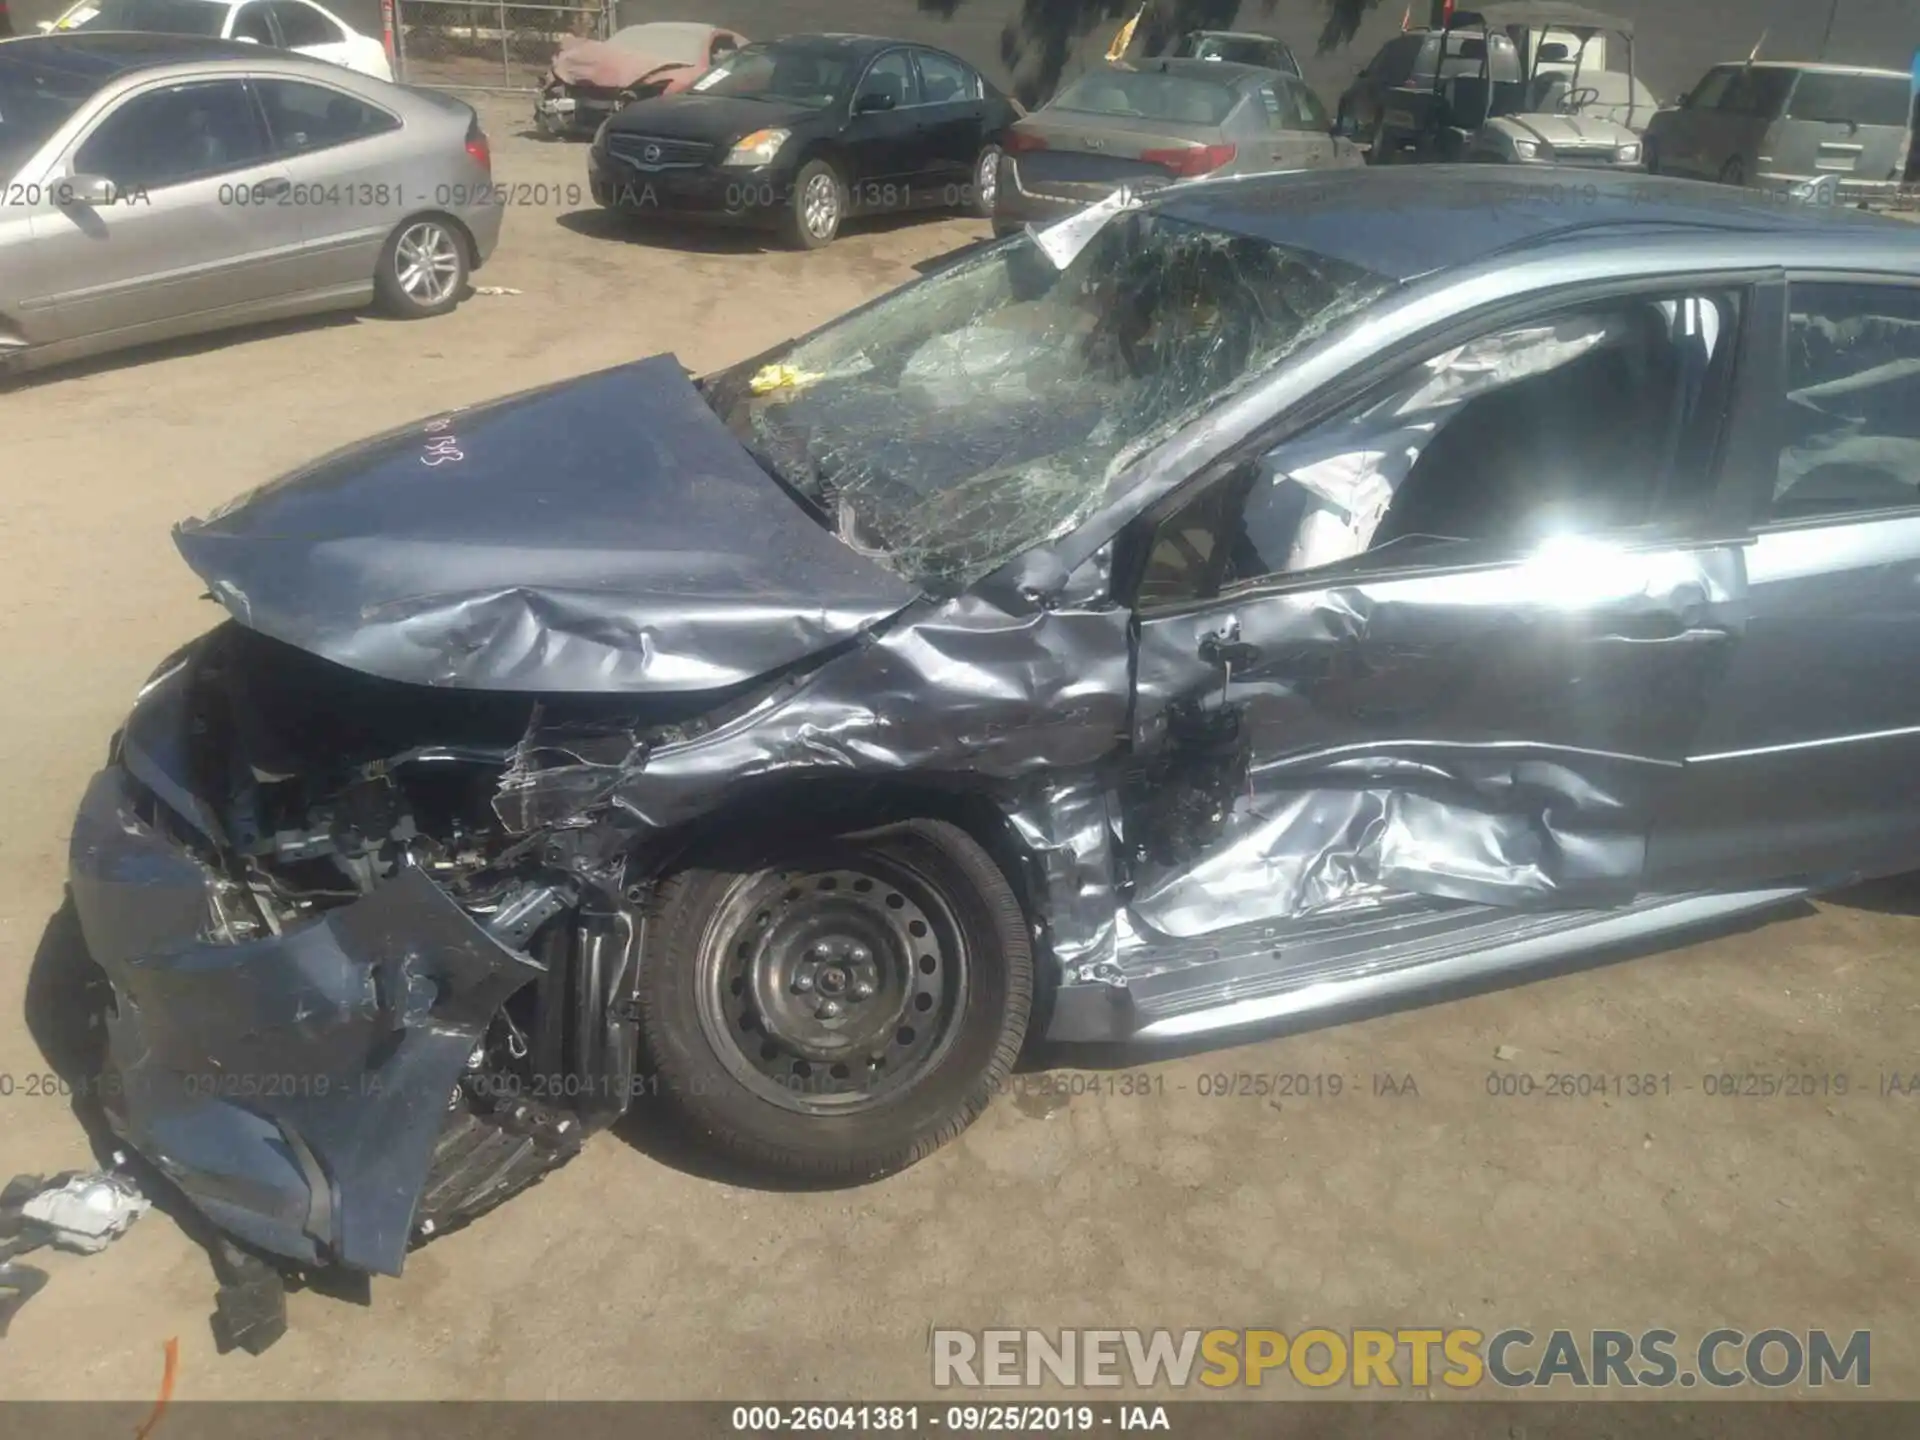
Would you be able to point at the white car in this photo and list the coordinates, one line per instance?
(286, 24)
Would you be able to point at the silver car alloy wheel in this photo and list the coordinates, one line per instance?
(986, 177)
(426, 262)
(820, 206)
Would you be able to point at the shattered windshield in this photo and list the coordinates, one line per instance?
(982, 411)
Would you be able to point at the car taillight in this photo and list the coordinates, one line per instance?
(1190, 159)
(477, 145)
(1022, 142)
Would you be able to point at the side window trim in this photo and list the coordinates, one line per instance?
(1725, 519)
(1763, 521)
(279, 149)
(970, 90)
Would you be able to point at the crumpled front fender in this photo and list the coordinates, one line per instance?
(293, 1086)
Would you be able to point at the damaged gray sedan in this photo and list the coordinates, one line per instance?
(1287, 592)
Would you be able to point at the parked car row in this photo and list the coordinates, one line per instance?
(149, 147)
(163, 184)
(1532, 83)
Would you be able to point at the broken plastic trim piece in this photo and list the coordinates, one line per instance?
(1062, 241)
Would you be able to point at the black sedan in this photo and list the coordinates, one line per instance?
(1297, 592)
(805, 131)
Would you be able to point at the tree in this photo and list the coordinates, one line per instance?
(1039, 42)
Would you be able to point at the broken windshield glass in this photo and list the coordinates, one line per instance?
(962, 420)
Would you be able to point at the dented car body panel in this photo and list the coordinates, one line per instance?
(1203, 656)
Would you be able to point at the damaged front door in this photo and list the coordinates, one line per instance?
(1452, 643)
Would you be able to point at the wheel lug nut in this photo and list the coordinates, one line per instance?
(802, 984)
(858, 955)
(862, 989)
(823, 952)
(828, 1009)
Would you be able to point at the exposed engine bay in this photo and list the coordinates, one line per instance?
(320, 787)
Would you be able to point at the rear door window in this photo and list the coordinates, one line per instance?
(251, 22)
(1293, 107)
(1853, 402)
(1148, 95)
(944, 80)
(301, 25)
(1851, 99)
(306, 117)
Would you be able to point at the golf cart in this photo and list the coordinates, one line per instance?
(1561, 105)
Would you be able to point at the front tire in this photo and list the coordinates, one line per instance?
(816, 207)
(423, 268)
(840, 1009)
(1733, 173)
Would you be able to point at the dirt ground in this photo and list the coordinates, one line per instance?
(632, 1274)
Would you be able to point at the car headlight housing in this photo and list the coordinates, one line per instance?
(1627, 154)
(1526, 149)
(759, 148)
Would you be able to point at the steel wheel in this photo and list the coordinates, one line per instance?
(427, 263)
(832, 1008)
(827, 992)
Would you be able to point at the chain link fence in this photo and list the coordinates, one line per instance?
(458, 45)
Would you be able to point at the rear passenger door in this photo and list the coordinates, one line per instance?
(884, 143)
(953, 119)
(1808, 764)
(350, 185)
(199, 227)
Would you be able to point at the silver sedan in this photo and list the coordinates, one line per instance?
(159, 185)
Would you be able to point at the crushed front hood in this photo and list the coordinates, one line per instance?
(606, 534)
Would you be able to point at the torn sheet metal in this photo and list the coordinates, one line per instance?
(602, 535)
(1068, 830)
(1499, 736)
(272, 1078)
(1063, 241)
(965, 689)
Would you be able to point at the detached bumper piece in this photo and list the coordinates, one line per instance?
(294, 1087)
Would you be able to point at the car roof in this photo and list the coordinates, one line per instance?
(1402, 222)
(1816, 67)
(1224, 72)
(105, 54)
(1240, 35)
(851, 43)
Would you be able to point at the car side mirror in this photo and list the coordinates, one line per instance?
(88, 190)
(873, 100)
